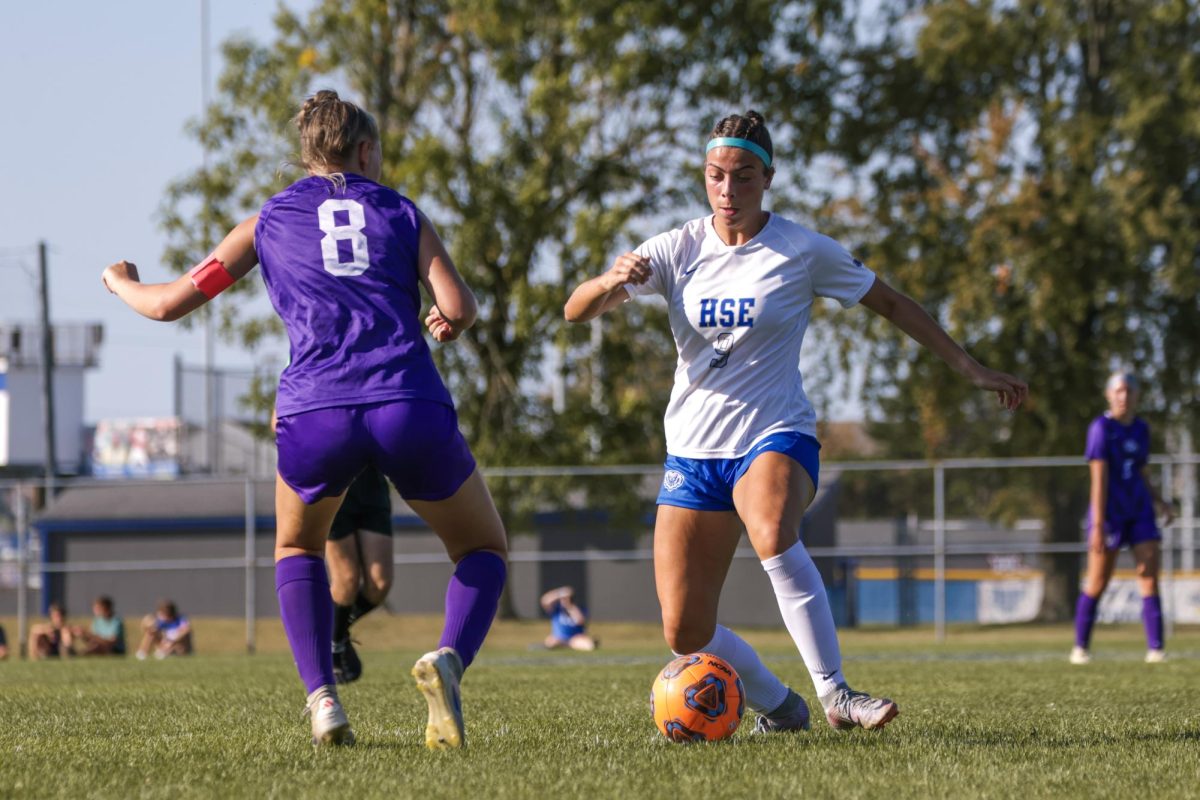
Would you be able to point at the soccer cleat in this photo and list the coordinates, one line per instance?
(1080, 655)
(438, 675)
(846, 708)
(1156, 656)
(792, 715)
(347, 666)
(329, 723)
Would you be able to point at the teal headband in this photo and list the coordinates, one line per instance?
(745, 144)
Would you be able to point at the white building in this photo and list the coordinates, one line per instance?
(22, 436)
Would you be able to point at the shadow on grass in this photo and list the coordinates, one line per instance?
(1033, 738)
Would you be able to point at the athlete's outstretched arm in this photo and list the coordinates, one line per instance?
(170, 301)
(904, 312)
(454, 307)
(605, 292)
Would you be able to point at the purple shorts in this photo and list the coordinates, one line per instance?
(416, 443)
(1120, 533)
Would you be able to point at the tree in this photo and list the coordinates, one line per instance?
(539, 136)
(1028, 172)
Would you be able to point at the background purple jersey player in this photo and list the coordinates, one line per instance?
(1121, 512)
(343, 259)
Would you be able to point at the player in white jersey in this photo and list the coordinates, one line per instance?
(741, 446)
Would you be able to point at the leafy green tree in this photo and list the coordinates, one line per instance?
(1028, 172)
(536, 135)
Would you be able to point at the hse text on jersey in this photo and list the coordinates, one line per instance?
(726, 312)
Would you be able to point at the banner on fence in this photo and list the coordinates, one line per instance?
(1122, 602)
(1009, 600)
(136, 448)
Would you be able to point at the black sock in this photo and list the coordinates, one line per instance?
(362, 606)
(342, 617)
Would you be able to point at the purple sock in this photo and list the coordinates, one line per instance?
(471, 600)
(307, 610)
(1152, 621)
(1085, 618)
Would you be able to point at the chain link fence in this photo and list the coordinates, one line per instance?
(898, 543)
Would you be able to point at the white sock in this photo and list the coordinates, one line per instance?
(805, 609)
(764, 692)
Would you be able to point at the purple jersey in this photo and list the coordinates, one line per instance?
(340, 265)
(1125, 448)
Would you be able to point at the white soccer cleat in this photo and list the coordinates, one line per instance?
(1080, 655)
(846, 709)
(438, 675)
(329, 723)
(1156, 656)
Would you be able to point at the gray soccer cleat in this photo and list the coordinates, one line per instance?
(1156, 656)
(329, 723)
(438, 675)
(1080, 655)
(791, 715)
(846, 708)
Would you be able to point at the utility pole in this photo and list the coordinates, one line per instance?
(210, 391)
(50, 464)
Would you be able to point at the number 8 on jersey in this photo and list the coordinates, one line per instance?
(351, 231)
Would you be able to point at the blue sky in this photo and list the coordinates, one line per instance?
(97, 97)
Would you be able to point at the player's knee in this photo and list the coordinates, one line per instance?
(769, 538)
(344, 585)
(378, 581)
(687, 637)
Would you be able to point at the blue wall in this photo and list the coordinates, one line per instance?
(878, 602)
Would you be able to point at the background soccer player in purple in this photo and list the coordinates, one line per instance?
(343, 259)
(1120, 514)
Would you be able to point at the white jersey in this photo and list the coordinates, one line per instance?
(738, 315)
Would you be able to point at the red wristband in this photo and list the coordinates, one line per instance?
(211, 278)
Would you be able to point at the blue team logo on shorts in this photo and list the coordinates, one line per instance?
(672, 480)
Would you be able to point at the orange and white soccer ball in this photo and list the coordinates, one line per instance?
(697, 698)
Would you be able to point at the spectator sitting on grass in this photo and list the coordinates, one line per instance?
(167, 632)
(107, 636)
(51, 639)
(567, 620)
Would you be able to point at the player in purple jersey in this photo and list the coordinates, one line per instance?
(343, 259)
(1121, 513)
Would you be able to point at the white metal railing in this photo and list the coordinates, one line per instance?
(1180, 535)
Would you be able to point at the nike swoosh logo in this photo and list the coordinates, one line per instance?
(693, 269)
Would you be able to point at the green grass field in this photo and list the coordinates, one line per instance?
(991, 713)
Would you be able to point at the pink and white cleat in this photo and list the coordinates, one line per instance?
(846, 709)
(329, 723)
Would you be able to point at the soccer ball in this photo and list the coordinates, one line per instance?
(697, 698)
